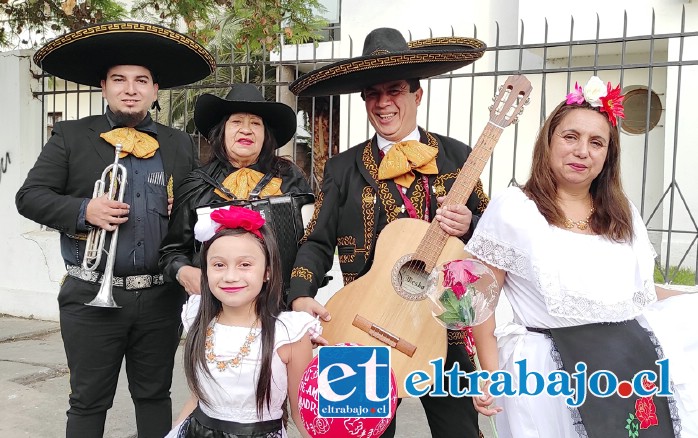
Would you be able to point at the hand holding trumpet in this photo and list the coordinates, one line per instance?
(106, 213)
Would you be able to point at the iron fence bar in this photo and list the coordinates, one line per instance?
(645, 161)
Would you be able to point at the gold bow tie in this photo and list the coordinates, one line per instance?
(241, 182)
(404, 157)
(134, 142)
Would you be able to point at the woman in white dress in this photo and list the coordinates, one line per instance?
(574, 259)
(243, 355)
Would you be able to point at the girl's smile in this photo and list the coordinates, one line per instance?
(236, 270)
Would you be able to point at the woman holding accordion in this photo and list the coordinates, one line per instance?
(244, 131)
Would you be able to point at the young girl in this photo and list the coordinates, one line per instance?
(243, 355)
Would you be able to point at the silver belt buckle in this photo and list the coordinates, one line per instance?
(139, 282)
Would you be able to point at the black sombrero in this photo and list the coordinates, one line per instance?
(245, 98)
(386, 57)
(85, 55)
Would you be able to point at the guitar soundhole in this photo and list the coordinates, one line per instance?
(410, 280)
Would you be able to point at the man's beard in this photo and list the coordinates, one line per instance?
(128, 120)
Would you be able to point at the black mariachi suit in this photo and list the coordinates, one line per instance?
(178, 248)
(350, 212)
(146, 330)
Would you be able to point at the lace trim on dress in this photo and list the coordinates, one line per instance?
(499, 255)
(574, 412)
(568, 303)
(673, 409)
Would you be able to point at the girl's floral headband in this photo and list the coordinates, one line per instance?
(232, 217)
(604, 97)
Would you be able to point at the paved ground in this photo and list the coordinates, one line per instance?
(34, 387)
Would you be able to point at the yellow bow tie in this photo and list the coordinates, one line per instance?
(404, 157)
(241, 182)
(134, 142)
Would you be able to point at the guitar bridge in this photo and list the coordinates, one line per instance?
(383, 335)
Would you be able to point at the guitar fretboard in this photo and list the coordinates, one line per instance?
(433, 242)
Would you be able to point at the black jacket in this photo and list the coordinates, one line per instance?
(354, 206)
(74, 158)
(179, 248)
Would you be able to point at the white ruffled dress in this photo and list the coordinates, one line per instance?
(232, 393)
(558, 278)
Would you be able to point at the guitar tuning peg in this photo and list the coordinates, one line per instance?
(494, 98)
(528, 100)
(490, 107)
(515, 120)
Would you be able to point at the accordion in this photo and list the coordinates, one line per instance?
(286, 215)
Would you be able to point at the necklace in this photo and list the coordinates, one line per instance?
(580, 224)
(237, 360)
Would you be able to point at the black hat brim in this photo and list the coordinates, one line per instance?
(426, 58)
(278, 117)
(84, 56)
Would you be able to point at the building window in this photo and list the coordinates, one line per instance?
(636, 107)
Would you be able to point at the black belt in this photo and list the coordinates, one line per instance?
(131, 282)
(260, 428)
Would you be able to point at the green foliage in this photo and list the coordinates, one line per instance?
(29, 23)
(252, 24)
(682, 276)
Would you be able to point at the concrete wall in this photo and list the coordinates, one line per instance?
(30, 261)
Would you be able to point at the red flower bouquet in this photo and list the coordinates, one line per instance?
(468, 296)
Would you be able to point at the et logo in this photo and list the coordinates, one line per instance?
(354, 382)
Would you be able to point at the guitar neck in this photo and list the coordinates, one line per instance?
(433, 242)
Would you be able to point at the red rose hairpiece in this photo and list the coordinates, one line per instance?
(604, 97)
(238, 217)
(232, 217)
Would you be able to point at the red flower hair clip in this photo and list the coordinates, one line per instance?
(604, 97)
(231, 217)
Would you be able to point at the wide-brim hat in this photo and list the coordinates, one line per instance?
(245, 98)
(388, 57)
(85, 55)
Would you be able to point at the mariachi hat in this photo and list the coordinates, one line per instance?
(245, 98)
(388, 57)
(85, 55)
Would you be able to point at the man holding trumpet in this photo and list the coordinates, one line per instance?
(131, 312)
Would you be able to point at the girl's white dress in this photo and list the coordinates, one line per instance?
(232, 392)
(558, 278)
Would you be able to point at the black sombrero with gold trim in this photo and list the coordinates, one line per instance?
(85, 55)
(386, 57)
(245, 98)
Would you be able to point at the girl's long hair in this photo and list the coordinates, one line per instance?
(612, 217)
(268, 306)
(267, 159)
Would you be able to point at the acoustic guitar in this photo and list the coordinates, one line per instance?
(389, 305)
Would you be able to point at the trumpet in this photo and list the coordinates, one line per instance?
(115, 176)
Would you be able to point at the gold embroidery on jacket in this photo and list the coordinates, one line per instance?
(417, 199)
(482, 196)
(384, 194)
(347, 241)
(368, 208)
(300, 272)
(348, 278)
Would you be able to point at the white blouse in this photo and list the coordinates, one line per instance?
(232, 392)
(558, 278)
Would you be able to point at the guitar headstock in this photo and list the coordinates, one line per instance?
(510, 100)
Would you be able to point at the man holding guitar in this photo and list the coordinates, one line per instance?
(402, 172)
